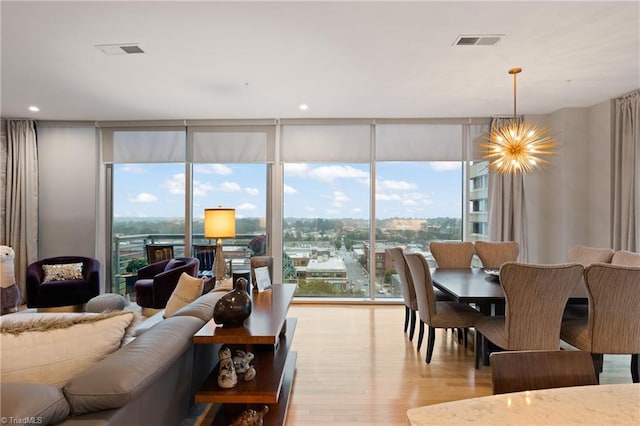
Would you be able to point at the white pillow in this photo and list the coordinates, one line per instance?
(52, 348)
(188, 289)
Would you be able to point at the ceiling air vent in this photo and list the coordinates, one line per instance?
(478, 40)
(119, 49)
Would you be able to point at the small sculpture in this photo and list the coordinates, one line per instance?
(242, 360)
(9, 291)
(250, 417)
(227, 377)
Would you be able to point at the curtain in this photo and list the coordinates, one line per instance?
(626, 174)
(507, 210)
(21, 198)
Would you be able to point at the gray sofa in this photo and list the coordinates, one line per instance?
(150, 380)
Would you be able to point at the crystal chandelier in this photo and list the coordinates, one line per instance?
(518, 147)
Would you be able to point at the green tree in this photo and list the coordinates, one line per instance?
(387, 275)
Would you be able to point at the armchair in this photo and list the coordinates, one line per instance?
(157, 281)
(62, 294)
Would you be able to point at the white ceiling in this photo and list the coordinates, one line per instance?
(213, 59)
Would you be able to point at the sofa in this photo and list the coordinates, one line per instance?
(152, 379)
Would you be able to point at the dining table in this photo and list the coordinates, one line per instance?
(577, 405)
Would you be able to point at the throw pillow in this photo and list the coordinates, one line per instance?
(174, 263)
(188, 289)
(61, 272)
(53, 348)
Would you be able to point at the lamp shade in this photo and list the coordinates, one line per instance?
(219, 222)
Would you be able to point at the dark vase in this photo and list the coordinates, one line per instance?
(234, 307)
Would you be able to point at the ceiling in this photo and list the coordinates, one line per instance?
(210, 59)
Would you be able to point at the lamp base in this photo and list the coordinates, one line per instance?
(219, 266)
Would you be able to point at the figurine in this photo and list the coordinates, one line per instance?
(250, 417)
(242, 360)
(227, 377)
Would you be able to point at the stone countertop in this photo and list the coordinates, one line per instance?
(579, 405)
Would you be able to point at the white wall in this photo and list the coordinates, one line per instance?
(68, 176)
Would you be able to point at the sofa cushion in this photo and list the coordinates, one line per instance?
(202, 307)
(187, 290)
(59, 345)
(45, 404)
(62, 272)
(174, 263)
(124, 375)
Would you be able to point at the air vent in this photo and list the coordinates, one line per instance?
(119, 49)
(478, 40)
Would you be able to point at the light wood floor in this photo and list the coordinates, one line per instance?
(357, 367)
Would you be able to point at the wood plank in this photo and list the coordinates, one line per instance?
(265, 388)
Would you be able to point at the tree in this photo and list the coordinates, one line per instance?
(387, 275)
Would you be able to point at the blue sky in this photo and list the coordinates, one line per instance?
(407, 189)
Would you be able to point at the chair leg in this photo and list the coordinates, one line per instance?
(477, 350)
(413, 325)
(430, 343)
(466, 337)
(459, 335)
(420, 334)
(597, 365)
(635, 366)
(406, 318)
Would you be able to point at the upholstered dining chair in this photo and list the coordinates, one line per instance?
(435, 314)
(452, 254)
(158, 252)
(516, 371)
(588, 255)
(535, 297)
(494, 254)
(613, 324)
(627, 258)
(408, 290)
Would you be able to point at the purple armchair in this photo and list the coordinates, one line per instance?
(157, 281)
(43, 294)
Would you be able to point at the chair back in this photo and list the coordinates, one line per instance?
(516, 371)
(588, 255)
(627, 258)
(452, 254)
(494, 254)
(158, 252)
(614, 308)
(206, 254)
(421, 277)
(535, 297)
(408, 291)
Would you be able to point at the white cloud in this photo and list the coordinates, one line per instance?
(334, 212)
(252, 191)
(339, 198)
(387, 197)
(228, 187)
(289, 189)
(216, 169)
(395, 185)
(296, 170)
(443, 166)
(175, 186)
(143, 197)
(246, 206)
(409, 203)
(201, 189)
(134, 169)
(331, 173)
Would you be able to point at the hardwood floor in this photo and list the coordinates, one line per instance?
(356, 366)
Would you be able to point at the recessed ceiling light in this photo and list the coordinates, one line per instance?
(304, 107)
(34, 108)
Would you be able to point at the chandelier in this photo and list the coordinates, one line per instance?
(518, 147)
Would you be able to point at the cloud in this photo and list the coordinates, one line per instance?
(387, 197)
(228, 187)
(339, 198)
(143, 197)
(175, 186)
(395, 185)
(296, 170)
(201, 189)
(216, 169)
(331, 173)
(409, 203)
(444, 166)
(246, 206)
(252, 191)
(289, 189)
(133, 168)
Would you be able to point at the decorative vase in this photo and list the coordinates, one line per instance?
(234, 307)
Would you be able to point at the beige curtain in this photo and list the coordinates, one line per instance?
(507, 212)
(21, 198)
(626, 174)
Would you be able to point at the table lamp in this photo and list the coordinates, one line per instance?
(219, 223)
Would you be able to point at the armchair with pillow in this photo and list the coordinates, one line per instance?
(62, 283)
(157, 281)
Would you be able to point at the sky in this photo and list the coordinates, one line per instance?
(403, 189)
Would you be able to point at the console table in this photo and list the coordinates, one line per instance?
(267, 333)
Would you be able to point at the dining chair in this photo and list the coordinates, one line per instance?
(535, 298)
(206, 254)
(455, 254)
(613, 325)
(436, 314)
(159, 252)
(628, 258)
(516, 371)
(494, 254)
(588, 255)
